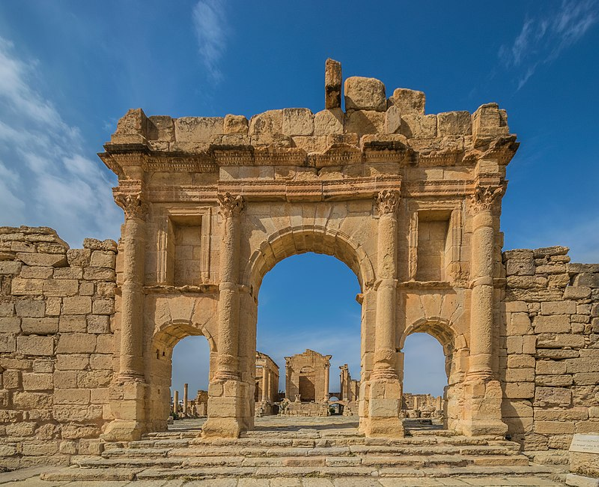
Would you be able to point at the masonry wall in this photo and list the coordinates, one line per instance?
(56, 345)
(549, 355)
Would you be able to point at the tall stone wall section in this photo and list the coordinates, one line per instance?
(56, 345)
(550, 348)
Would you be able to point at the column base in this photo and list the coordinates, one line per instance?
(384, 410)
(228, 410)
(128, 405)
(123, 430)
(482, 408)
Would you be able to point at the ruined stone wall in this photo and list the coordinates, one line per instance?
(549, 357)
(56, 345)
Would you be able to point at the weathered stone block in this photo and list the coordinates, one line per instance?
(269, 122)
(35, 345)
(520, 361)
(560, 341)
(408, 101)
(329, 122)
(103, 259)
(198, 129)
(515, 390)
(7, 343)
(48, 260)
(392, 120)
(554, 427)
(72, 361)
(98, 324)
(418, 126)
(519, 324)
(39, 326)
(37, 272)
(103, 307)
(10, 324)
(586, 378)
(298, 121)
(77, 305)
(364, 94)
(552, 324)
(548, 367)
(364, 122)
(76, 343)
(520, 375)
(235, 124)
(72, 323)
(99, 274)
(552, 396)
(558, 308)
(573, 292)
(32, 400)
(79, 257)
(554, 380)
(454, 123)
(31, 308)
(37, 382)
(10, 268)
(72, 396)
(489, 121)
(60, 287)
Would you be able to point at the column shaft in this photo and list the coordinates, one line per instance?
(134, 242)
(264, 384)
(481, 328)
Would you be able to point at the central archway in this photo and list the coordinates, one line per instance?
(299, 240)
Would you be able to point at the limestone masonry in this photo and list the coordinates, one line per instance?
(410, 201)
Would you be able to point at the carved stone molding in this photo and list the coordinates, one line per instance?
(485, 197)
(230, 205)
(132, 204)
(387, 201)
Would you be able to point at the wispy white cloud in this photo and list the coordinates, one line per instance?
(48, 175)
(210, 23)
(542, 40)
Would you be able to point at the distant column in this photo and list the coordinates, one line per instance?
(326, 383)
(264, 384)
(176, 402)
(185, 391)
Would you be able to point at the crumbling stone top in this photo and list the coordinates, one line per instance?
(296, 136)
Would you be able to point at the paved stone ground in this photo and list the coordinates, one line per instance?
(275, 424)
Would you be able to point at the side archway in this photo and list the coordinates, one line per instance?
(160, 357)
(455, 349)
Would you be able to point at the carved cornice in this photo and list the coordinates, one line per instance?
(230, 205)
(485, 197)
(133, 204)
(387, 201)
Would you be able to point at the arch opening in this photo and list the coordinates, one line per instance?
(307, 308)
(428, 356)
(179, 373)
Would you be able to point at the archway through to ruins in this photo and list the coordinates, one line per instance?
(181, 353)
(315, 294)
(434, 360)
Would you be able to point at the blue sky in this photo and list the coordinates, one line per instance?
(69, 70)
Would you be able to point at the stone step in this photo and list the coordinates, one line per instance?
(416, 461)
(280, 451)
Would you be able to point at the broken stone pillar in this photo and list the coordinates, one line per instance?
(326, 382)
(127, 395)
(482, 413)
(385, 388)
(332, 84)
(264, 384)
(226, 408)
(176, 402)
(185, 392)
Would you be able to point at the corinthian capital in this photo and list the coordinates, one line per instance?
(230, 205)
(132, 204)
(484, 198)
(387, 201)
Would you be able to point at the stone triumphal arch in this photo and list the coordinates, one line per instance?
(409, 201)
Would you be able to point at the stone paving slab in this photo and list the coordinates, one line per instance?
(35, 481)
